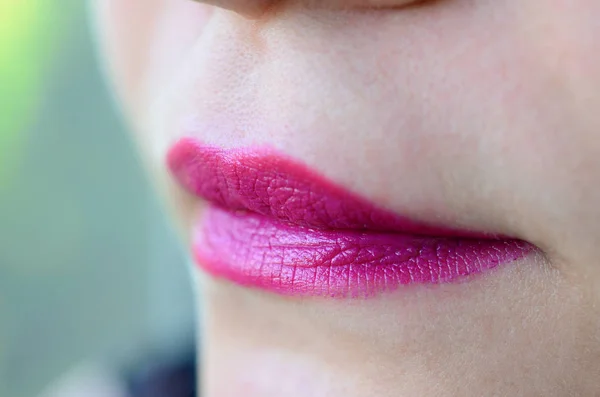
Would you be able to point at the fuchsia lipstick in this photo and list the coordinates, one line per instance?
(275, 224)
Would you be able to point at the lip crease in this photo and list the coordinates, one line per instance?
(276, 225)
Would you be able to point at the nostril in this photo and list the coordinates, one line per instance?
(373, 4)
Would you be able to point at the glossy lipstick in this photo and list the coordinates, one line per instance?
(275, 224)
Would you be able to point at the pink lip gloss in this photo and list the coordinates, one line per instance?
(274, 224)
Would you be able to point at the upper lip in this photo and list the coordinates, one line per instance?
(265, 182)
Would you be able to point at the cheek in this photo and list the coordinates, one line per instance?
(144, 42)
(563, 160)
(124, 28)
(563, 36)
(526, 99)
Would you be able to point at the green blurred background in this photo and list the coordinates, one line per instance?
(89, 269)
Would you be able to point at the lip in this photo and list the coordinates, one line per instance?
(276, 225)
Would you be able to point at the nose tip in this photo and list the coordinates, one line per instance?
(255, 8)
(248, 8)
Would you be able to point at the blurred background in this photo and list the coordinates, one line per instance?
(92, 282)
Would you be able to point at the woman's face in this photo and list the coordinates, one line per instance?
(469, 115)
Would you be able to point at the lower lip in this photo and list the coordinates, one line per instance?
(256, 251)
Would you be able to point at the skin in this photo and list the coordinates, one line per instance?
(482, 114)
